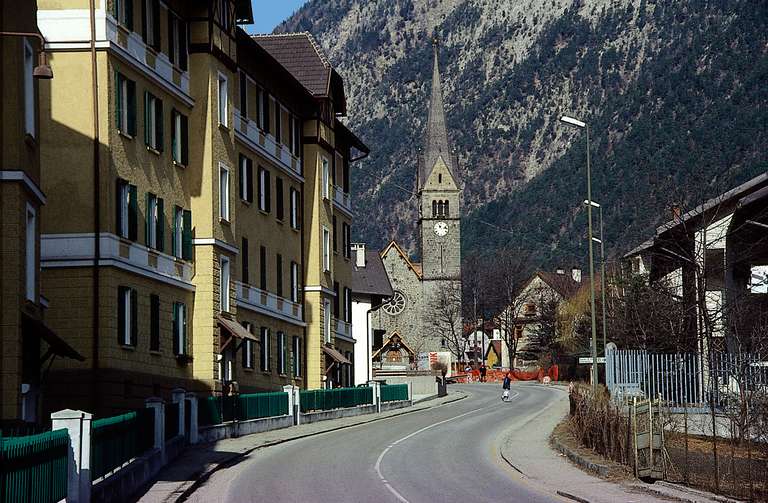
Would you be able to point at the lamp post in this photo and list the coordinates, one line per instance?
(602, 269)
(583, 125)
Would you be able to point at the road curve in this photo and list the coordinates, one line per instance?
(447, 453)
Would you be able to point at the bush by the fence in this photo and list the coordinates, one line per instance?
(393, 392)
(34, 468)
(599, 425)
(327, 399)
(116, 440)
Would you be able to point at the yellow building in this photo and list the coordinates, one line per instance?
(208, 213)
(26, 343)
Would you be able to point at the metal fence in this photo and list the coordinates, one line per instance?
(33, 468)
(327, 399)
(222, 409)
(118, 439)
(394, 392)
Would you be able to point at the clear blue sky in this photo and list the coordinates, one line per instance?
(269, 13)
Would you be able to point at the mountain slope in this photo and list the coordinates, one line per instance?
(674, 93)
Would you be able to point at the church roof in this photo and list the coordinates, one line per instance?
(416, 268)
(436, 135)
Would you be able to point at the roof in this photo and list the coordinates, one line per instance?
(56, 344)
(302, 56)
(371, 279)
(397, 338)
(336, 355)
(563, 284)
(235, 329)
(415, 267)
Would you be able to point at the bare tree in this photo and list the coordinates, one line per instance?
(443, 319)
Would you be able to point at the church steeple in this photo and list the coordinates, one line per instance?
(436, 136)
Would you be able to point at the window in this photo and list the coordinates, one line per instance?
(294, 209)
(246, 179)
(224, 14)
(327, 321)
(223, 192)
(326, 249)
(264, 125)
(434, 209)
(155, 228)
(179, 328)
(347, 305)
(150, 30)
(248, 350)
(243, 89)
(336, 299)
(223, 101)
(291, 133)
(445, 209)
(279, 210)
(264, 347)
(263, 267)
(153, 122)
(224, 284)
(29, 89)
(177, 43)
(182, 233)
(278, 122)
(325, 179)
(296, 356)
(264, 192)
(279, 275)
(294, 282)
(439, 178)
(125, 105)
(335, 234)
(281, 353)
(127, 316)
(31, 254)
(154, 322)
(127, 210)
(123, 12)
(180, 137)
(244, 260)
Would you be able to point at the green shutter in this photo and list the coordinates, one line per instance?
(160, 230)
(183, 348)
(118, 206)
(147, 118)
(134, 318)
(186, 235)
(133, 213)
(184, 140)
(176, 327)
(118, 101)
(131, 91)
(267, 198)
(159, 124)
(174, 134)
(121, 314)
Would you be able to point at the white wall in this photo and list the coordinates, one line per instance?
(363, 335)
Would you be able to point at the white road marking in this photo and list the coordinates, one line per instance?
(377, 466)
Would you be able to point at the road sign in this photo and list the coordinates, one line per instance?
(588, 359)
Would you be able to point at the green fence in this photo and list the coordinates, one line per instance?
(327, 399)
(34, 468)
(394, 392)
(116, 440)
(221, 409)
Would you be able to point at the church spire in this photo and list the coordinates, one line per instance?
(436, 136)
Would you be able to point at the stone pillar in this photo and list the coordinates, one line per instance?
(193, 428)
(177, 396)
(78, 425)
(376, 385)
(289, 389)
(159, 407)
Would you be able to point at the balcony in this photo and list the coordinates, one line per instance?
(267, 145)
(261, 301)
(342, 200)
(342, 330)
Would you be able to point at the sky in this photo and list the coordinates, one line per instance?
(269, 13)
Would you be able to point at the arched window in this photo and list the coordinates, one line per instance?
(446, 208)
(439, 178)
(434, 208)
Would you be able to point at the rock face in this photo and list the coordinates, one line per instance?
(674, 93)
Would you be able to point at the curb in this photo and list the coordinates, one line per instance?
(575, 457)
(203, 476)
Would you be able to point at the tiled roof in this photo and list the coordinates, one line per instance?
(300, 55)
(371, 279)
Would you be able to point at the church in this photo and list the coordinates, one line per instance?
(404, 328)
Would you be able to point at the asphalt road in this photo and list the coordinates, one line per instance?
(445, 454)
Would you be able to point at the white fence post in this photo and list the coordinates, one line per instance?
(177, 396)
(78, 425)
(376, 385)
(159, 407)
(291, 398)
(410, 391)
(193, 428)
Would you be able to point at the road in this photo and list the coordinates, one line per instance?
(447, 453)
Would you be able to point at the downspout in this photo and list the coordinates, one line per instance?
(97, 209)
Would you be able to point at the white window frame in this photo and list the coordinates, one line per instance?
(126, 300)
(224, 283)
(294, 195)
(151, 102)
(245, 182)
(264, 349)
(263, 188)
(327, 321)
(152, 212)
(123, 105)
(31, 253)
(178, 228)
(177, 134)
(125, 205)
(29, 90)
(122, 14)
(281, 353)
(223, 98)
(347, 305)
(326, 249)
(326, 178)
(224, 183)
(181, 327)
(149, 21)
(294, 282)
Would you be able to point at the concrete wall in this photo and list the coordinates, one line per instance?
(239, 428)
(313, 417)
(420, 385)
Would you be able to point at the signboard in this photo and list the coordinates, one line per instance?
(588, 359)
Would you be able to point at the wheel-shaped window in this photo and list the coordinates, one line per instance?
(396, 304)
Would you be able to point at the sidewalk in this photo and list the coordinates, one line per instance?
(525, 447)
(193, 467)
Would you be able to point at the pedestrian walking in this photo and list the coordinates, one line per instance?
(468, 371)
(506, 385)
(483, 371)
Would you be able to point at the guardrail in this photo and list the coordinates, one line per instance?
(118, 439)
(327, 399)
(394, 392)
(34, 468)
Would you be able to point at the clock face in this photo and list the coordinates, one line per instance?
(441, 228)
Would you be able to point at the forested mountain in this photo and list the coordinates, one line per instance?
(675, 93)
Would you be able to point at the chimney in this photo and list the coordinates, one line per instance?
(560, 271)
(359, 249)
(576, 274)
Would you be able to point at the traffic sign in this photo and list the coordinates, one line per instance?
(588, 359)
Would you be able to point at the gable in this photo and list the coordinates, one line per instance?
(394, 250)
(440, 178)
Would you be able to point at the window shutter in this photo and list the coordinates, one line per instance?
(175, 232)
(121, 315)
(147, 118)
(156, 24)
(174, 134)
(279, 210)
(182, 45)
(267, 197)
(134, 318)
(176, 327)
(244, 260)
(184, 140)
(118, 101)
(183, 312)
(133, 213)
(148, 219)
(186, 235)
(249, 172)
(159, 125)
(243, 175)
(160, 230)
(131, 92)
(118, 207)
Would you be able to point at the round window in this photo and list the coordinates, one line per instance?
(396, 305)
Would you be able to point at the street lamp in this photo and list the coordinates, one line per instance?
(583, 125)
(602, 267)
